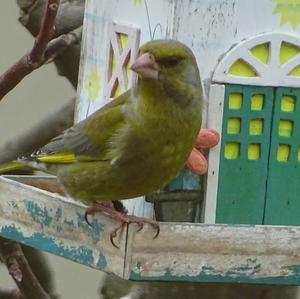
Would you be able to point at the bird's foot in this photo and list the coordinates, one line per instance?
(109, 209)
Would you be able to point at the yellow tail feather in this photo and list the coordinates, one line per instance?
(11, 166)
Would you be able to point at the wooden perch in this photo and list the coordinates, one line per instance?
(182, 251)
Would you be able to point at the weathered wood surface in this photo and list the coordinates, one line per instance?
(53, 223)
(216, 253)
(182, 252)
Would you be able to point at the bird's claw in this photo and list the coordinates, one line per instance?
(122, 217)
(86, 214)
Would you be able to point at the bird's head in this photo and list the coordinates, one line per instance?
(166, 60)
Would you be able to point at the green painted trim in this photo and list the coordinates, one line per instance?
(226, 278)
(80, 254)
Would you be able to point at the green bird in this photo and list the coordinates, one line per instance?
(138, 142)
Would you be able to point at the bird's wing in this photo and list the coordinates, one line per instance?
(89, 139)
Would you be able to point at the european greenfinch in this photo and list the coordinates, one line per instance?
(138, 142)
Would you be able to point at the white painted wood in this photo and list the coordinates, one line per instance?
(124, 15)
(271, 74)
(122, 58)
(212, 28)
(215, 120)
(56, 224)
(194, 252)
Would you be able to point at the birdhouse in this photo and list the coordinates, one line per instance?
(248, 56)
(248, 53)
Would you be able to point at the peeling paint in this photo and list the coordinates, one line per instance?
(38, 214)
(102, 263)
(58, 214)
(226, 277)
(94, 230)
(80, 254)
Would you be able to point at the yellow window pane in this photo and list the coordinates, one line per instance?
(285, 128)
(253, 151)
(242, 69)
(261, 52)
(235, 101)
(287, 52)
(232, 150)
(113, 63)
(123, 40)
(233, 125)
(256, 126)
(295, 71)
(283, 152)
(288, 104)
(257, 102)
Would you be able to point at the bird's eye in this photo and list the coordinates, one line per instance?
(172, 61)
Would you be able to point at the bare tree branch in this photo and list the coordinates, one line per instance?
(59, 44)
(35, 58)
(40, 267)
(12, 256)
(38, 135)
(69, 17)
(10, 294)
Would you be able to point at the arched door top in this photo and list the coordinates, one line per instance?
(270, 59)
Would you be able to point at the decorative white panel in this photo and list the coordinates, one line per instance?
(273, 72)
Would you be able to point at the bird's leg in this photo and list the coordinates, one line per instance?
(106, 207)
(109, 208)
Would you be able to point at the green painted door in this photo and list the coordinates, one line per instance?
(244, 154)
(259, 160)
(283, 185)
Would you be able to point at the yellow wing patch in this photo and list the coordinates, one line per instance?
(60, 158)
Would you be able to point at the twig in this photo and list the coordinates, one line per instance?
(12, 256)
(68, 18)
(46, 31)
(36, 57)
(59, 44)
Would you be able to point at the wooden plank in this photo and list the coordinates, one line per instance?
(182, 251)
(56, 224)
(215, 253)
(48, 183)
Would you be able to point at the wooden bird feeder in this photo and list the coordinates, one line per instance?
(249, 59)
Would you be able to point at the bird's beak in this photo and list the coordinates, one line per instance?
(146, 66)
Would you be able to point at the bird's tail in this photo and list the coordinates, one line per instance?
(10, 167)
